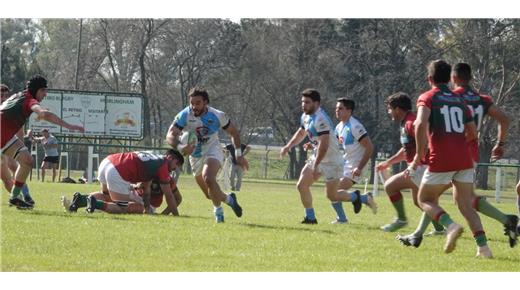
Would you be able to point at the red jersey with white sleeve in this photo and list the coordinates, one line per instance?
(449, 150)
(137, 167)
(479, 105)
(14, 112)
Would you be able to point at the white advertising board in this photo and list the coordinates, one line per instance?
(101, 114)
(124, 118)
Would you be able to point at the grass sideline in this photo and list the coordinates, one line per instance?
(267, 238)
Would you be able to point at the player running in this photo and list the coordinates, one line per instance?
(399, 107)
(14, 112)
(206, 156)
(482, 105)
(326, 159)
(357, 148)
(445, 120)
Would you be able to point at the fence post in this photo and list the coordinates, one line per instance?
(376, 180)
(90, 163)
(498, 184)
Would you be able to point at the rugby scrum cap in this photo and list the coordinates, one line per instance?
(35, 83)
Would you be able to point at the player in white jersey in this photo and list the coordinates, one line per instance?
(357, 147)
(206, 156)
(326, 159)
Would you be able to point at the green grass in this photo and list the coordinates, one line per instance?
(267, 238)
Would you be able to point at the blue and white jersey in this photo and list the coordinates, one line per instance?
(206, 127)
(316, 125)
(349, 134)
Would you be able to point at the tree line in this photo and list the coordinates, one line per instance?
(255, 70)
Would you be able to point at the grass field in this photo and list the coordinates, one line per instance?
(267, 238)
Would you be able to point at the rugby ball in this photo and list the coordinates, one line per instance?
(186, 138)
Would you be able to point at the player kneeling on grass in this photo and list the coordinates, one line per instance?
(116, 174)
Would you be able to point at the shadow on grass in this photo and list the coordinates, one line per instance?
(270, 227)
(74, 215)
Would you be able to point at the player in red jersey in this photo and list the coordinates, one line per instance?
(156, 198)
(119, 171)
(399, 107)
(14, 112)
(482, 105)
(445, 120)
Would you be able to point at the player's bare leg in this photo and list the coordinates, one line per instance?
(331, 189)
(202, 185)
(7, 177)
(209, 175)
(21, 154)
(304, 188)
(429, 202)
(463, 194)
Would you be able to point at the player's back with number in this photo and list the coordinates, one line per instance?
(449, 150)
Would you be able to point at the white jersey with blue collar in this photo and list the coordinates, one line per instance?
(205, 126)
(316, 125)
(349, 134)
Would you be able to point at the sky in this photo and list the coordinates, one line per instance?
(236, 9)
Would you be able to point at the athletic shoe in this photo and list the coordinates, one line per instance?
(234, 205)
(435, 232)
(28, 199)
(394, 226)
(484, 252)
(91, 204)
(410, 240)
(309, 221)
(371, 203)
(219, 218)
(453, 232)
(74, 205)
(19, 203)
(357, 204)
(510, 229)
(338, 222)
(65, 202)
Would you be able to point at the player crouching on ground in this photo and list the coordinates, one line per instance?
(116, 174)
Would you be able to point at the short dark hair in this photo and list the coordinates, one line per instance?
(177, 155)
(347, 103)
(440, 71)
(199, 91)
(463, 71)
(313, 94)
(399, 100)
(35, 83)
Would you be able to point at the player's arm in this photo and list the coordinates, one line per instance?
(503, 125)
(396, 158)
(369, 149)
(421, 137)
(172, 137)
(20, 134)
(235, 139)
(470, 131)
(178, 198)
(145, 187)
(48, 116)
(297, 138)
(170, 199)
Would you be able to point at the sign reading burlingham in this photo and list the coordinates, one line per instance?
(101, 114)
